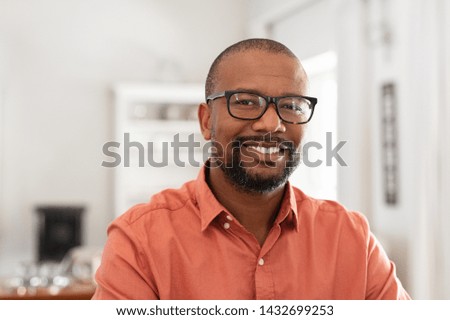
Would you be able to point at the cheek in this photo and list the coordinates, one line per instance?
(223, 135)
(225, 128)
(223, 139)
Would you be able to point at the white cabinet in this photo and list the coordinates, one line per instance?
(156, 126)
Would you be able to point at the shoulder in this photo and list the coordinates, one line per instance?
(162, 205)
(331, 215)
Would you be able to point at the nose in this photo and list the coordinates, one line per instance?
(269, 122)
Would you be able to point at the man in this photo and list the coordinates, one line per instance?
(241, 231)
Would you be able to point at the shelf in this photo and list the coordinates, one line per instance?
(140, 112)
(160, 125)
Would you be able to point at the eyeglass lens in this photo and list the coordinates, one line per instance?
(251, 106)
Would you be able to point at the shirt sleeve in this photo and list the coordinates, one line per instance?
(123, 272)
(382, 281)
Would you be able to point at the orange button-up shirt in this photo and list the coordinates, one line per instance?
(184, 244)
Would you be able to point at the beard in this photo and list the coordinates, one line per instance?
(242, 178)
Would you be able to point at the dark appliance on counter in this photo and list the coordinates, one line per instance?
(60, 229)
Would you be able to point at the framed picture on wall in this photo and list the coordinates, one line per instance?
(389, 143)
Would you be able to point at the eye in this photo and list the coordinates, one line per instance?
(246, 102)
(294, 109)
(246, 99)
(294, 106)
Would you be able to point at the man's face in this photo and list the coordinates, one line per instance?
(256, 155)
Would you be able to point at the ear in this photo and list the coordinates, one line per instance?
(204, 118)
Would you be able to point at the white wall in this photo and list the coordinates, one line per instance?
(61, 59)
(294, 28)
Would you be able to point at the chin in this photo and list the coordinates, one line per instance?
(257, 180)
(264, 172)
(259, 176)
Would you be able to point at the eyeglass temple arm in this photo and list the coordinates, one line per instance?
(215, 96)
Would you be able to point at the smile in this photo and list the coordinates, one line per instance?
(264, 153)
(265, 150)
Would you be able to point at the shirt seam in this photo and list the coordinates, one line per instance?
(156, 207)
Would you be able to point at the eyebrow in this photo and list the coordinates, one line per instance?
(262, 94)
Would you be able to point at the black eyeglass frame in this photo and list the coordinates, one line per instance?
(228, 93)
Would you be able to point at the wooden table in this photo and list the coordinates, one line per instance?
(77, 291)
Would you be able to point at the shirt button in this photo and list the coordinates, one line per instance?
(226, 225)
(261, 262)
(229, 218)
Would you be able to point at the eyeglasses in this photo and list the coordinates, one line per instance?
(245, 105)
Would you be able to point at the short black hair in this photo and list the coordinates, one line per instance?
(261, 44)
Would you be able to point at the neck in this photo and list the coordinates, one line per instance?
(255, 211)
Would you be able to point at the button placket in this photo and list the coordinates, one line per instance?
(264, 281)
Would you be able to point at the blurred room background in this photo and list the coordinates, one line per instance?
(75, 75)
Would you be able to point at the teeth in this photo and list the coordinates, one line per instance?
(265, 150)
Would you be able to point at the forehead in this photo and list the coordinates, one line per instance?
(267, 72)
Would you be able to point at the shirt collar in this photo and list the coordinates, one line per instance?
(210, 207)
(288, 209)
